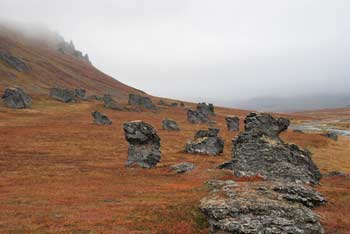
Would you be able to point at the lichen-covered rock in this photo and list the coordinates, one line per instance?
(232, 123)
(16, 98)
(262, 207)
(196, 117)
(110, 103)
(13, 62)
(206, 109)
(206, 142)
(182, 167)
(99, 118)
(137, 100)
(170, 125)
(144, 144)
(80, 93)
(331, 135)
(63, 95)
(260, 151)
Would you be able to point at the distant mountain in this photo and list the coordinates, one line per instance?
(295, 103)
(37, 59)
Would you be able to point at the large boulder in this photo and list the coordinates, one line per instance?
(110, 103)
(196, 117)
(101, 119)
(260, 151)
(232, 123)
(63, 95)
(13, 62)
(144, 144)
(137, 100)
(206, 142)
(262, 207)
(170, 125)
(16, 98)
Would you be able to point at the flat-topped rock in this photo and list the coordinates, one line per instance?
(63, 95)
(144, 144)
(16, 98)
(100, 118)
(206, 142)
(137, 100)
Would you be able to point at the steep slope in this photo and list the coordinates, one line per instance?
(49, 68)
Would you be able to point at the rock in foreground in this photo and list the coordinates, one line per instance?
(144, 144)
(260, 151)
(262, 207)
(16, 98)
(100, 118)
(206, 142)
(170, 125)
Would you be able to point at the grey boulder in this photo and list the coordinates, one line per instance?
(101, 119)
(232, 123)
(170, 125)
(141, 101)
(144, 144)
(196, 117)
(206, 142)
(13, 62)
(16, 98)
(63, 95)
(182, 167)
(110, 103)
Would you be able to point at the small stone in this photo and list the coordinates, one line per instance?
(232, 123)
(182, 167)
(331, 135)
(100, 118)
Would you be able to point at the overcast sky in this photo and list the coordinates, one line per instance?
(218, 50)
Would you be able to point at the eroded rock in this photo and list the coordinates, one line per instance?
(170, 125)
(232, 123)
(80, 93)
(262, 207)
(144, 144)
(206, 109)
(196, 117)
(16, 98)
(13, 62)
(63, 95)
(99, 118)
(110, 103)
(260, 151)
(206, 142)
(137, 100)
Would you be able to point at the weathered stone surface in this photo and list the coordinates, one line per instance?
(206, 142)
(144, 144)
(16, 98)
(211, 132)
(137, 100)
(206, 109)
(13, 62)
(331, 135)
(80, 93)
(196, 117)
(260, 151)
(110, 103)
(232, 123)
(182, 167)
(170, 125)
(63, 95)
(99, 118)
(262, 207)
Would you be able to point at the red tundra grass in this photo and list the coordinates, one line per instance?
(60, 173)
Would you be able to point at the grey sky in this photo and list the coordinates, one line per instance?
(218, 50)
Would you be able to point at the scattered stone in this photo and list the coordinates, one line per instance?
(137, 100)
(13, 62)
(162, 103)
(80, 93)
(99, 118)
(110, 103)
(16, 98)
(262, 207)
(196, 117)
(170, 125)
(331, 135)
(206, 142)
(182, 104)
(182, 167)
(211, 132)
(206, 109)
(144, 144)
(260, 151)
(174, 104)
(232, 123)
(63, 95)
(334, 173)
(298, 131)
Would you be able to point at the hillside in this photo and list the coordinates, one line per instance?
(62, 173)
(49, 68)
